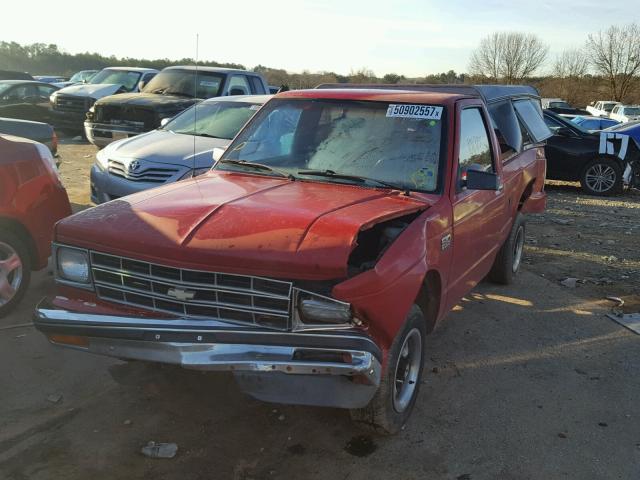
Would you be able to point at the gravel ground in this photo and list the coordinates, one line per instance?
(595, 240)
(524, 382)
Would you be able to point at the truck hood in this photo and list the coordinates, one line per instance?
(161, 146)
(97, 90)
(152, 100)
(239, 223)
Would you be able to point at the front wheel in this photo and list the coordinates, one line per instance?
(507, 263)
(15, 271)
(602, 177)
(393, 403)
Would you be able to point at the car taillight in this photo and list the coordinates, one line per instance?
(542, 169)
(54, 143)
(49, 162)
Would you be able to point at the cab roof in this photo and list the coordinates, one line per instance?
(380, 95)
(130, 69)
(209, 69)
(439, 93)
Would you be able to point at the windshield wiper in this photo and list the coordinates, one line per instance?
(258, 166)
(207, 135)
(355, 178)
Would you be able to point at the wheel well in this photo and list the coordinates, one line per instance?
(429, 298)
(17, 228)
(526, 194)
(612, 158)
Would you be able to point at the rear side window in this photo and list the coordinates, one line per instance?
(238, 85)
(256, 85)
(475, 148)
(506, 126)
(531, 116)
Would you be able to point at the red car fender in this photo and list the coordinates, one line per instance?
(383, 296)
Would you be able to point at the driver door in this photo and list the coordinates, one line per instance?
(480, 217)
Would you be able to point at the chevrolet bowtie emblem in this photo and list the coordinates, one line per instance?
(180, 294)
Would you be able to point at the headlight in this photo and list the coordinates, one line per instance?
(52, 97)
(73, 264)
(313, 311)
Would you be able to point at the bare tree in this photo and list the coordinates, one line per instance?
(615, 54)
(572, 63)
(508, 56)
(569, 68)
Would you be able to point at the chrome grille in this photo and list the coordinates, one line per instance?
(144, 173)
(72, 103)
(192, 293)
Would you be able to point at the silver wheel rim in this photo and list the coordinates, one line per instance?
(10, 273)
(600, 177)
(517, 249)
(407, 369)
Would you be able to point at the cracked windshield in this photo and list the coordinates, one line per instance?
(377, 143)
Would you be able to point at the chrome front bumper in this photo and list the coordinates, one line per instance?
(102, 134)
(337, 369)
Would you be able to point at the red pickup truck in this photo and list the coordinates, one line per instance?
(328, 240)
(32, 199)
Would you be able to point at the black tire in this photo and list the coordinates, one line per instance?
(507, 263)
(17, 278)
(602, 177)
(388, 411)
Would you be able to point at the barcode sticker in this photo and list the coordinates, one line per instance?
(427, 112)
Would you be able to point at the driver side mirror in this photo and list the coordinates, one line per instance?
(480, 180)
(141, 84)
(164, 121)
(217, 153)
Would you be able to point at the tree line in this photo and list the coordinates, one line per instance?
(48, 59)
(606, 66)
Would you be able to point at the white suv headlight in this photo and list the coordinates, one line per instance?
(73, 265)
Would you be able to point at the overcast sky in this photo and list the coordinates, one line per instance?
(410, 37)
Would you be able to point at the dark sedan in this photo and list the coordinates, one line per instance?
(36, 131)
(28, 100)
(14, 75)
(602, 162)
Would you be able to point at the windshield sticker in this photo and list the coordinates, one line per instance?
(254, 107)
(204, 83)
(414, 111)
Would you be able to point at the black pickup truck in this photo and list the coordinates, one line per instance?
(169, 93)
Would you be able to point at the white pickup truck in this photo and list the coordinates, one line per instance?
(625, 113)
(602, 108)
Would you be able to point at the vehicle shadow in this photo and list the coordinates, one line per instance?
(501, 373)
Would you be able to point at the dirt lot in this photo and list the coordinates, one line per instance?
(530, 381)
